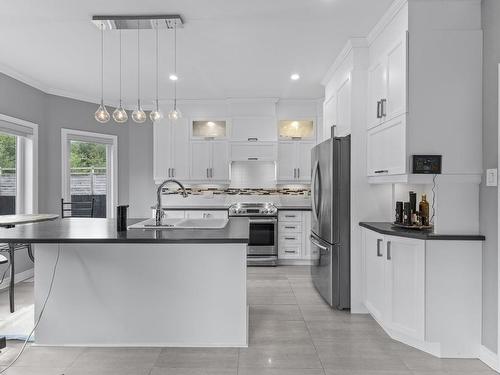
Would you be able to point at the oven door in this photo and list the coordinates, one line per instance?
(263, 236)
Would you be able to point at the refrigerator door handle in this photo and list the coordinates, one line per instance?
(317, 244)
(313, 188)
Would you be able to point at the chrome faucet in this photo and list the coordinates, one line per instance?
(159, 211)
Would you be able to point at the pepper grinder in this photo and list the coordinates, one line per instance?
(121, 218)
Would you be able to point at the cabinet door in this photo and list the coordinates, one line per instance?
(304, 161)
(386, 148)
(254, 129)
(245, 151)
(329, 117)
(220, 161)
(344, 109)
(161, 149)
(180, 149)
(374, 271)
(377, 83)
(287, 165)
(200, 160)
(199, 214)
(405, 286)
(396, 80)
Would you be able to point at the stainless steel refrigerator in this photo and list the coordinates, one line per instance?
(330, 224)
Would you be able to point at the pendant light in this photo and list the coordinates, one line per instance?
(139, 115)
(175, 114)
(102, 114)
(119, 114)
(156, 114)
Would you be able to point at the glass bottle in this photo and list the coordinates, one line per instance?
(423, 208)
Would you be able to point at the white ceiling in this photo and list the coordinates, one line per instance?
(227, 49)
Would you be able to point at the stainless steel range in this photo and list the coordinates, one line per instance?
(262, 247)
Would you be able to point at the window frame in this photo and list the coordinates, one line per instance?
(111, 142)
(26, 162)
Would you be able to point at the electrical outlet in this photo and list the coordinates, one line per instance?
(492, 177)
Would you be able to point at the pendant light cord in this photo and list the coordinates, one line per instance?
(102, 64)
(138, 68)
(175, 65)
(120, 68)
(157, 74)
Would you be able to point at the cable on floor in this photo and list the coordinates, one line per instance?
(40, 316)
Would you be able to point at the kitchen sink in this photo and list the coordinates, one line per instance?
(209, 223)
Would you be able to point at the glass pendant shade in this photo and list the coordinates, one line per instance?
(102, 114)
(174, 114)
(139, 115)
(156, 114)
(120, 115)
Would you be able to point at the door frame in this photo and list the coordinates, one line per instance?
(68, 135)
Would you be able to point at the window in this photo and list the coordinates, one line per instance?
(18, 166)
(8, 176)
(89, 170)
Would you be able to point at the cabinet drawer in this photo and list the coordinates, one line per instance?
(253, 152)
(216, 214)
(291, 239)
(386, 148)
(289, 252)
(290, 216)
(290, 227)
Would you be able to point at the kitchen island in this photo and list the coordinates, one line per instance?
(172, 287)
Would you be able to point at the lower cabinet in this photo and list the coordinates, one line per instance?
(425, 293)
(214, 214)
(293, 236)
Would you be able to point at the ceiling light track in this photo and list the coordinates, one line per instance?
(134, 22)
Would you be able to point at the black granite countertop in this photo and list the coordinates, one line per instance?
(428, 235)
(280, 207)
(82, 230)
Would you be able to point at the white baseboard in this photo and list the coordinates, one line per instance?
(21, 276)
(489, 358)
(294, 262)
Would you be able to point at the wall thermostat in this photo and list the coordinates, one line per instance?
(427, 164)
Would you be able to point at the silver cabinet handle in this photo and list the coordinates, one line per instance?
(253, 139)
(382, 108)
(290, 216)
(290, 251)
(298, 172)
(173, 172)
(290, 238)
(207, 172)
(379, 251)
(253, 158)
(211, 172)
(389, 255)
(168, 172)
(378, 110)
(294, 173)
(290, 227)
(381, 171)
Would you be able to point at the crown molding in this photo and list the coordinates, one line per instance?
(349, 46)
(27, 80)
(386, 19)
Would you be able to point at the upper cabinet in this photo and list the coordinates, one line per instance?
(294, 161)
(171, 154)
(424, 89)
(254, 129)
(296, 129)
(209, 161)
(209, 129)
(387, 84)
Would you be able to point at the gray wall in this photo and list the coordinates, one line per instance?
(488, 195)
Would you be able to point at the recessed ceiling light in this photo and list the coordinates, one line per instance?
(295, 77)
(173, 77)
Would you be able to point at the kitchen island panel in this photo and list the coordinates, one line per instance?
(117, 294)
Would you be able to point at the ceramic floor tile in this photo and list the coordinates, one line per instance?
(106, 358)
(279, 356)
(254, 371)
(448, 365)
(49, 356)
(198, 358)
(108, 371)
(34, 371)
(275, 312)
(193, 371)
(277, 299)
(367, 372)
(364, 364)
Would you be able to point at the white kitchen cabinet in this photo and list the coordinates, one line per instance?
(209, 161)
(293, 235)
(254, 129)
(386, 148)
(374, 274)
(294, 161)
(425, 293)
(329, 116)
(405, 286)
(171, 214)
(343, 121)
(251, 151)
(387, 84)
(170, 150)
